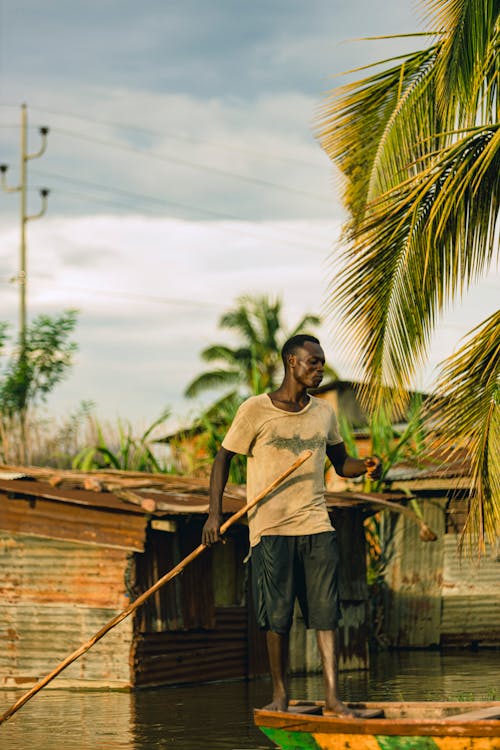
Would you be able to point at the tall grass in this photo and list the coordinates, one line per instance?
(81, 441)
(47, 441)
(119, 447)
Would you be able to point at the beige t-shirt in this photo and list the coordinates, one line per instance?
(272, 439)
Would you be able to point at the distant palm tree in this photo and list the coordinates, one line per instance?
(255, 365)
(418, 143)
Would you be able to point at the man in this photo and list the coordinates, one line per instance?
(294, 547)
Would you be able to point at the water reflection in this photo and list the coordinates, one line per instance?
(219, 716)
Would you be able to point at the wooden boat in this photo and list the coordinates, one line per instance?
(423, 725)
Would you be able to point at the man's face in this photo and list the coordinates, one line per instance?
(307, 364)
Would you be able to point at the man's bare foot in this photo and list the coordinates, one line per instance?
(340, 710)
(278, 703)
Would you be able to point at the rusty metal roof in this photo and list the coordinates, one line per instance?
(113, 507)
(121, 492)
(133, 492)
(102, 508)
(446, 477)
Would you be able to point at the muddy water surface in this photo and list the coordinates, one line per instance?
(219, 716)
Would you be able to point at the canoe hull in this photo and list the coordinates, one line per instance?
(321, 741)
(411, 726)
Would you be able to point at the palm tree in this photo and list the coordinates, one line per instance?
(255, 364)
(422, 190)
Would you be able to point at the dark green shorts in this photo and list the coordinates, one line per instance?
(288, 567)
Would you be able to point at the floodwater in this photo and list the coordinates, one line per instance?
(219, 716)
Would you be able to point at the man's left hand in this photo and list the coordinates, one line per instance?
(373, 466)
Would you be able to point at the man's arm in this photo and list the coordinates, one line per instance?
(218, 480)
(347, 466)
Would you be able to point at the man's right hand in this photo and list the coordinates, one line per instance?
(211, 530)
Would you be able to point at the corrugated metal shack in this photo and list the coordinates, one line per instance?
(433, 595)
(76, 548)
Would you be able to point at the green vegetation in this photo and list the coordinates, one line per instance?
(422, 188)
(123, 450)
(394, 444)
(30, 374)
(54, 442)
(195, 448)
(254, 365)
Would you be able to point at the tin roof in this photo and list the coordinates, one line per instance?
(132, 494)
(444, 470)
(103, 508)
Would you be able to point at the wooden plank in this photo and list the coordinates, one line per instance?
(492, 712)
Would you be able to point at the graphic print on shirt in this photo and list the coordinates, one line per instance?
(296, 444)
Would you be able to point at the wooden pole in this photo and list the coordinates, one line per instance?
(142, 598)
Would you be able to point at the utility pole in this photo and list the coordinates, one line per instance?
(22, 188)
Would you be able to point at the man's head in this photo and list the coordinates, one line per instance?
(296, 342)
(304, 360)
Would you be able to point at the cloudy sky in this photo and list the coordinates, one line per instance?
(183, 172)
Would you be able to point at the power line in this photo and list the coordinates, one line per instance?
(175, 136)
(100, 200)
(172, 301)
(193, 165)
(161, 157)
(182, 206)
(164, 203)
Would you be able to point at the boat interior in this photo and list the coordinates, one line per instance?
(419, 710)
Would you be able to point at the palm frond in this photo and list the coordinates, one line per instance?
(418, 144)
(211, 380)
(361, 113)
(240, 319)
(165, 414)
(469, 33)
(466, 413)
(219, 352)
(307, 320)
(419, 247)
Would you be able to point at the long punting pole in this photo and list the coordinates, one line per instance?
(142, 598)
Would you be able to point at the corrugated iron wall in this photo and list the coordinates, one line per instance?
(434, 597)
(471, 597)
(171, 658)
(414, 574)
(54, 596)
(187, 601)
(195, 628)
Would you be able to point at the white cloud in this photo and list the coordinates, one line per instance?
(189, 176)
(151, 298)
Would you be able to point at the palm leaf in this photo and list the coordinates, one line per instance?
(469, 36)
(307, 320)
(451, 207)
(210, 380)
(361, 113)
(422, 187)
(468, 407)
(219, 352)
